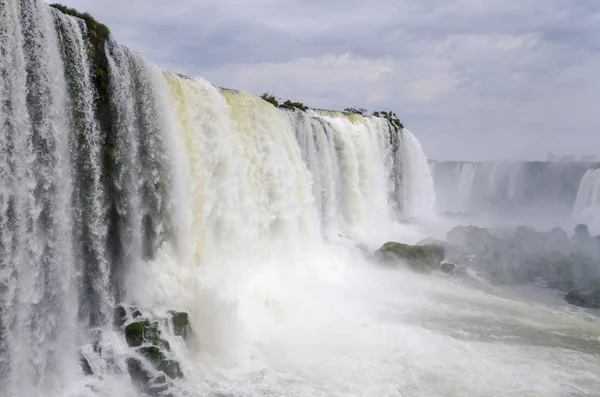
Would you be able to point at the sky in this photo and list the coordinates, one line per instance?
(472, 79)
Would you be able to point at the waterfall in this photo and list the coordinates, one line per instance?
(587, 205)
(121, 183)
(466, 183)
(419, 190)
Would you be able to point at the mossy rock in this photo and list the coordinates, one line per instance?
(152, 353)
(144, 380)
(157, 357)
(421, 258)
(134, 333)
(180, 321)
(588, 301)
(139, 332)
(171, 368)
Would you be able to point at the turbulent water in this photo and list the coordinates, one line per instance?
(165, 192)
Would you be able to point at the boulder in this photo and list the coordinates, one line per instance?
(421, 258)
(85, 365)
(453, 269)
(180, 322)
(588, 301)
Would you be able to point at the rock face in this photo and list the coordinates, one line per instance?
(525, 255)
(180, 323)
(421, 258)
(152, 368)
(589, 301)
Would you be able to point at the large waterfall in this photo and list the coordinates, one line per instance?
(123, 183)
(130, 195)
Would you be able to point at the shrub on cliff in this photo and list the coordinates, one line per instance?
(391, 117)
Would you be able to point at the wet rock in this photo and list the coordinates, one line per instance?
(448, 267)
(85, 365)
(120, 316)
(171, 368)
(589, 301)
(134, 332)
(421, 258)
(138, 374)
(180, 322)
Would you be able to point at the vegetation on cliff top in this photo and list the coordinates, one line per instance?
(85, 16)
(288, 104)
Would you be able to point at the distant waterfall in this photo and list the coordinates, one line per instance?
(587, 204)
(466, 184)
(419, 188)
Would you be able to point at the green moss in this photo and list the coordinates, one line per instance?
(421, 258)
(180, 323)
(140, 332)
(152, 353)
(134, 332)
(588, 301)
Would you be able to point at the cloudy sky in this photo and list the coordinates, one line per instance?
(473, 79)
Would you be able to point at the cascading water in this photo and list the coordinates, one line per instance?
(124, 184)
(465, 185)
(587, 205)
(536, 193)
(418, 187)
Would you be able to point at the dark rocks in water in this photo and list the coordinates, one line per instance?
(139, 375)
(453, 269)
(588, 301)
(448, 267)
(422, 259)
(85, 365)
(120, 316)
(171, 368)
(144, 380)
(145, 335)
(180, 322)
(138, 332)
(134, 333)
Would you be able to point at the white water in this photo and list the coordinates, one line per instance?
(246, 217)
(466, 183)
(419, 190)
(587, 205)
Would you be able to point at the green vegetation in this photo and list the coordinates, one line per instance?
(85, 16)
(588, 301)
(420, 258)
(353, 110)
(270, 98)
(293, 105)
(288, 104)
(391, 117)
